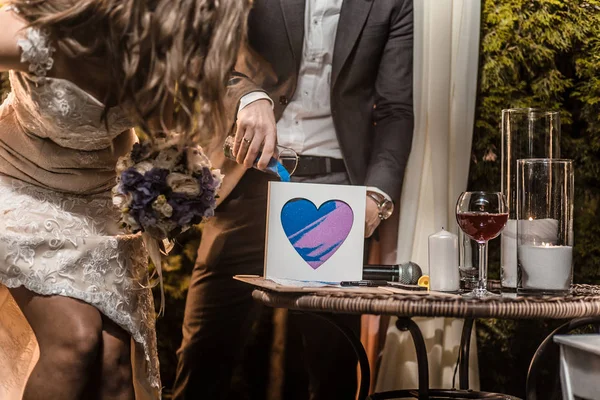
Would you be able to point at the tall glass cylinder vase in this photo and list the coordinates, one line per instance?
(545, 189)
(526, 133)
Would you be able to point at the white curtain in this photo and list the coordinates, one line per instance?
(445, 81)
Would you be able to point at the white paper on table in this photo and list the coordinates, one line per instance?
(297, 283)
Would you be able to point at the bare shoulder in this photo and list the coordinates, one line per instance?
(10, 53)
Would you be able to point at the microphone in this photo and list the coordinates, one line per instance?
(407, 273)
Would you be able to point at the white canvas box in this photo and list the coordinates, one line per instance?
(315, 232)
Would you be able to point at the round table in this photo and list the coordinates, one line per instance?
(581, 307)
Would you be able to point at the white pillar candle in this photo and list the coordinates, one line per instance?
(443, 262)
(546, 267)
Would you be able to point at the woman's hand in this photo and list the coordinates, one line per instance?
(256, 129)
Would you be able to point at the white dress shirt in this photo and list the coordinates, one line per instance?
(306, 125)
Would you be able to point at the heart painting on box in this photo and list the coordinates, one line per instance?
(316, 233)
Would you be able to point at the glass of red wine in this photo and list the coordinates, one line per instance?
(481, 216)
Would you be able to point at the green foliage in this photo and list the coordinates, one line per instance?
(539, 53)
(545, 53)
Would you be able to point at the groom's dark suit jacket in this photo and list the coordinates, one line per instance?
(371, 82)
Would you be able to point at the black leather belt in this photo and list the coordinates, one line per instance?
(311, 166)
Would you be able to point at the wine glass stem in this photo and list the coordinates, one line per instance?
(483, 267)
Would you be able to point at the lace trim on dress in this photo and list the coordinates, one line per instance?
(55, 244)
(107, 303)
(37, 51)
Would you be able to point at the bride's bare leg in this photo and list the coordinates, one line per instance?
(116, 381)
(69, 333)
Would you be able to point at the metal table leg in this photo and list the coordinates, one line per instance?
(424, 393)
(465, 347)
(359, 350)
(407, 324)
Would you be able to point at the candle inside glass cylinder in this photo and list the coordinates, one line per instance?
(546, 267)
(543, 230)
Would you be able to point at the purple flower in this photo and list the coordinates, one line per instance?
(130, 178)
(147, 218)
(186, 210)
(146, 190)
(207, 180)
(157, 178)
(208, 198)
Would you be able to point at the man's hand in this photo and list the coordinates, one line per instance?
(256, 129)
(372, 219)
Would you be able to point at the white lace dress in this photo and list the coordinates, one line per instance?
(58, 232)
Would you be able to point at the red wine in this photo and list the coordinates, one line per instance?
(481, 227)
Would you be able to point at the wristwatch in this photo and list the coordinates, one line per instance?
(386, 207)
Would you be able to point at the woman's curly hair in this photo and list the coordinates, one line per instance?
(159, 52)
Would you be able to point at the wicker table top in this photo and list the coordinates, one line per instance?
(583, 302)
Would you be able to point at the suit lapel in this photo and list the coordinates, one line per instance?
(353, 16)
(293, 15)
